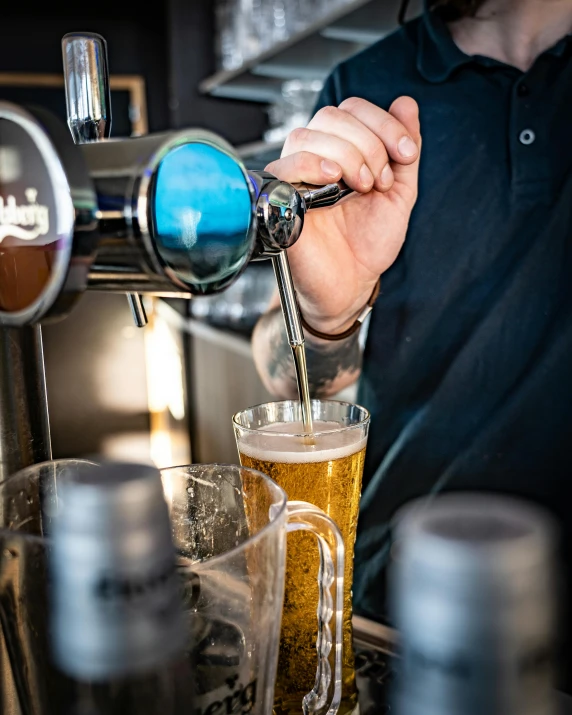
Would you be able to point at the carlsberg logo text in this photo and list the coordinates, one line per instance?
(23, 221)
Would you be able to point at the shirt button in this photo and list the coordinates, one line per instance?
(527, 136)
(523, 90)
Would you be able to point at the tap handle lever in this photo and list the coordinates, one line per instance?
(317, 197)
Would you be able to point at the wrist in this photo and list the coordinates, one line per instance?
(340, 327)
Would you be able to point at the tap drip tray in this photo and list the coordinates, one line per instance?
(202, 217)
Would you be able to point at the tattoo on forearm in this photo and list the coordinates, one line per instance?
(326, 361)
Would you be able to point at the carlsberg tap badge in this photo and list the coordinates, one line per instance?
(23, 221)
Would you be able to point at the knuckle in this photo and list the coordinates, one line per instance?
(277, 168)
(388, 121)
(352, 104)
(326, 113)
(300, 135)
(393, 126)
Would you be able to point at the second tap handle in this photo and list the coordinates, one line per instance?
(86, 77)
(88, 100)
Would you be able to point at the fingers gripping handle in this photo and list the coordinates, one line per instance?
(325, 696)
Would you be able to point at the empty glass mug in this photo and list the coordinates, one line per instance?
(229, 526)
(326, 472)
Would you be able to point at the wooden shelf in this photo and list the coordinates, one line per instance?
(310, 54)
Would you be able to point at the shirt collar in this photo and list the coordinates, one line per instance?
(438, 56)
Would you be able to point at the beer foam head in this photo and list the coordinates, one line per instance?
(284, 442)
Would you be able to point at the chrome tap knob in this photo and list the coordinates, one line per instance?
(281, 207)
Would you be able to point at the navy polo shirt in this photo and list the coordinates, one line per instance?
(468, 364)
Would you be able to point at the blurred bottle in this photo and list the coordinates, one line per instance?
(117, 625)
(474, 599)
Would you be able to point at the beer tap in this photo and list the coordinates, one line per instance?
(169, 214)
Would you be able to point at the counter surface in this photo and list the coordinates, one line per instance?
(375, 647)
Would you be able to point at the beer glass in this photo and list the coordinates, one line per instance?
(326, 471)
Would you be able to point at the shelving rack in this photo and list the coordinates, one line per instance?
(310, 54)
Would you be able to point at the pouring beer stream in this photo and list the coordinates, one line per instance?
(295, 335)
(313, 197)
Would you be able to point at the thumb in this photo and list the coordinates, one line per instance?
(406, 110)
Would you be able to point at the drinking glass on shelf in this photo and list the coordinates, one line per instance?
(240, 31)
(294, 109)
(306, 12)
(270, 438)
(277, 16)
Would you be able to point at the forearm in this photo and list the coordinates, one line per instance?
(332, 366)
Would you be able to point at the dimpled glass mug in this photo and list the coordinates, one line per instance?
(229, 527)
(327, 471)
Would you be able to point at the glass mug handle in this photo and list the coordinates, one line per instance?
(302, 516)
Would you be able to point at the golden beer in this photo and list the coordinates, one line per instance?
(327, 474)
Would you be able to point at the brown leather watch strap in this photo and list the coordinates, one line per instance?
(354, 327)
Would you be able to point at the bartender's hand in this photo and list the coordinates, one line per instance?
(345, 248)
